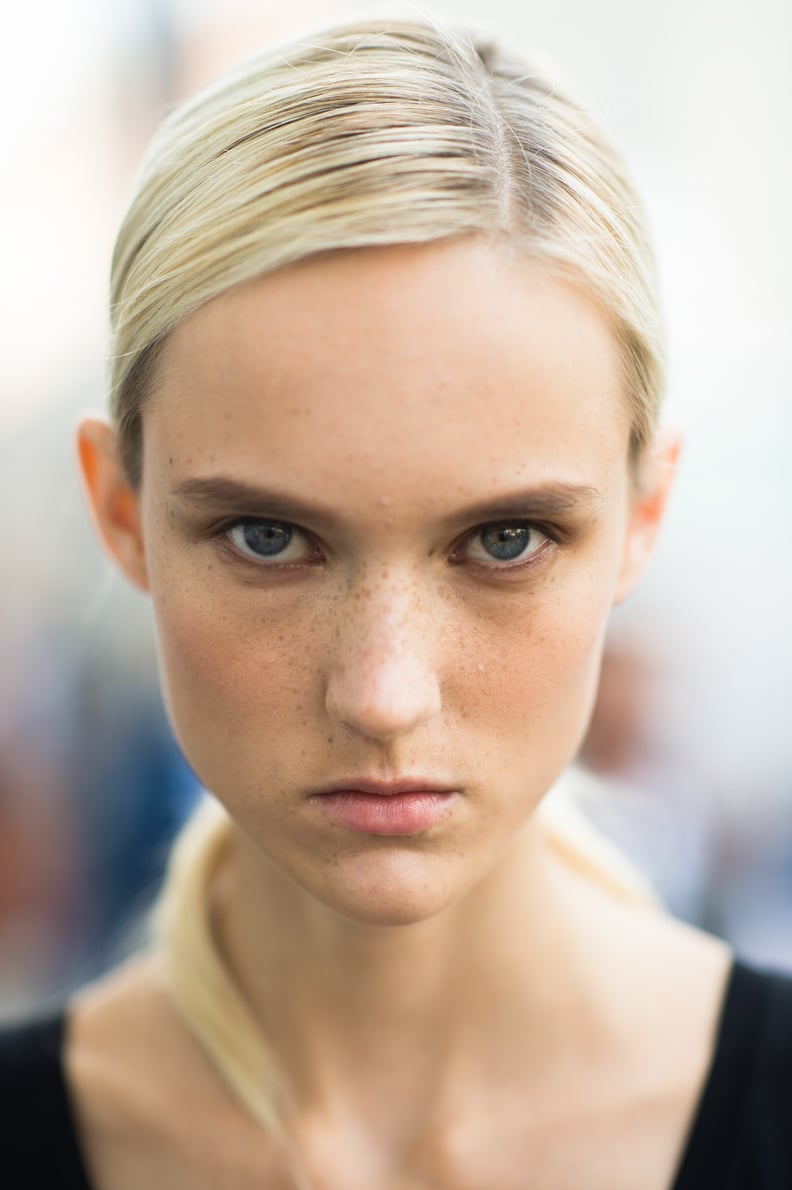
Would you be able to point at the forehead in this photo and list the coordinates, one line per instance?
(399, 371)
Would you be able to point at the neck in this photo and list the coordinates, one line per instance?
(352, 1008)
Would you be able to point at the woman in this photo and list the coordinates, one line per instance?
(386, 373)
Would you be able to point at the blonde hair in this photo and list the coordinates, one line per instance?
(367, 135)
(372, 133)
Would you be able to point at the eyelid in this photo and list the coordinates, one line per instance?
(222, 532)
(551, 536)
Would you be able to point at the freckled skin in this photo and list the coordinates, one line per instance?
(394, 387)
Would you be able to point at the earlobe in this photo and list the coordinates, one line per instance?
(650, 496)
(114, 505)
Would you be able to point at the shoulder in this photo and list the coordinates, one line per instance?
(743, 1130)
(30, 1052)
(773, 993)
(756, 1040)
(39, 1145)
(122, 1060)
(149, 1105)
(759, 1011)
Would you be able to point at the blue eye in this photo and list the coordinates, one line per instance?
(505, 543)
(260, 541)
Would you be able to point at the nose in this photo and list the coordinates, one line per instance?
(382, 681)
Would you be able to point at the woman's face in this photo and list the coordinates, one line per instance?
(384, 513)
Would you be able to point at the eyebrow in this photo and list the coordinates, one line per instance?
(223, 493)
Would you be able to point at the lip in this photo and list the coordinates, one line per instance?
(404, 807)
(384, 788)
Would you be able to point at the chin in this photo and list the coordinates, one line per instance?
(396, 888)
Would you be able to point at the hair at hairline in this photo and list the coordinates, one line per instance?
(361, 136)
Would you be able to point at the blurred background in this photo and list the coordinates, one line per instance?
(690, 753)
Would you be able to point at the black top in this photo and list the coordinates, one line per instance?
(740, 1136)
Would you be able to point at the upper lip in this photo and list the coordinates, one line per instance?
(386, 788)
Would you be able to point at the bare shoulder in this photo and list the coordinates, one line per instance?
(129, 1009)
(148, 1104)
(669, 989)
(663, 980)
(658, 990)
(673, 993)
(671, 976)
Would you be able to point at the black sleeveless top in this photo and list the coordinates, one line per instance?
(740, 1136)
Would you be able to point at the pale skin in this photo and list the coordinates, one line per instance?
(454, 1009)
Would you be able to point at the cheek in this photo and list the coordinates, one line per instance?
(240, 676)
(530, 678)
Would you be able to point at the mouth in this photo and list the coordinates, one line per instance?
(402, 807)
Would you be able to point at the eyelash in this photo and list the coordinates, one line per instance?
(553, 537)
(494, 566)
(221, 533)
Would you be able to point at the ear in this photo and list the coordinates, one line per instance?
(648, 501)
(114, 505)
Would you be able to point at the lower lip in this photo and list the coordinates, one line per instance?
(385, 814)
